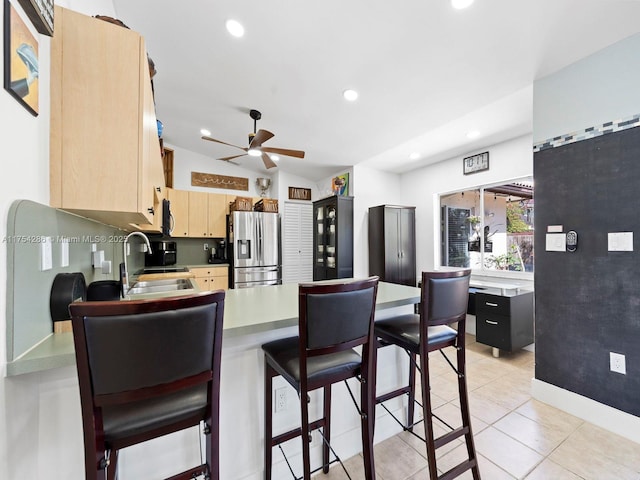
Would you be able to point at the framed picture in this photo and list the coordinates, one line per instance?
(340, 185)
(40, 12)
(20, 60)
(475, 163)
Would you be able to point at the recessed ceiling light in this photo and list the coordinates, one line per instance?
(235, 28)
(254, 152)
(460, 4)
(473, 134)
(414, 156)
(205, 132)
(350, 95)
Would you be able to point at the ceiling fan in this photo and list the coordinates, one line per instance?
(255, 148)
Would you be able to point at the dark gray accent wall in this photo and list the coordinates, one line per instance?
(588, 302)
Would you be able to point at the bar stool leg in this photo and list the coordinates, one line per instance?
(464, 410)
(269, 373)
(305, 435)
(412, 391)
(112, 469)
(326, 429)
(427, 415)
(367, 405)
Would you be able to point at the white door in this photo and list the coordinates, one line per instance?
(297, 242)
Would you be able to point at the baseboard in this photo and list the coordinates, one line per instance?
(604, 416)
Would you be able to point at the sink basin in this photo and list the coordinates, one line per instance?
(160, 286)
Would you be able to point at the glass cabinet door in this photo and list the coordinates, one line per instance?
(325, 231)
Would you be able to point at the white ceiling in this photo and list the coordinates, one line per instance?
(426, 73)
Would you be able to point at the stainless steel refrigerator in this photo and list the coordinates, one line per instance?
(254, 242)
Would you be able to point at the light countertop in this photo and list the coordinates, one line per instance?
(247, 311)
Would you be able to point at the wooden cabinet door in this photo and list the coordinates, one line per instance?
(102, 119)
(180, 211)
(198, 212)
(217, 215)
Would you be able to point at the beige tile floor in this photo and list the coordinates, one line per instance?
(516, 436)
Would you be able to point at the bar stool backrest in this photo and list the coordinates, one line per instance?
(445, 295)
(336, 316)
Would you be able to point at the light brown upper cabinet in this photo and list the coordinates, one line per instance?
(105, 154)
(179, 201)
(207, 214)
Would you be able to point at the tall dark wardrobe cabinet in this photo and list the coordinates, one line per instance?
(392, 244)
(333, 238)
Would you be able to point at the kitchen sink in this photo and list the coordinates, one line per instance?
(160, 286)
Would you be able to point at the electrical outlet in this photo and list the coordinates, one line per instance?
(281, 399)
(617, 363)
(206, 247)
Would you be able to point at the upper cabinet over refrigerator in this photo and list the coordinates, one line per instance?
(333, 238)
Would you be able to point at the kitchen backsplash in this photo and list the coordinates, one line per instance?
(30, 227)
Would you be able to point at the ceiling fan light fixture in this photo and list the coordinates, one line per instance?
(235, 28)
(254, 152)
(350, 95)
(461, 4)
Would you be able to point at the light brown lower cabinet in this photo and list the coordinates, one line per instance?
(211, 278)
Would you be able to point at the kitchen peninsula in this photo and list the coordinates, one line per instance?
(252, 317)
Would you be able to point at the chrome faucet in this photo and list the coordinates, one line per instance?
(125, 276)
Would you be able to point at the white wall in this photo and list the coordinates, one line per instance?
(507, 160)
(601, 88)
(186, 161)
(40, 429)
(371, 188)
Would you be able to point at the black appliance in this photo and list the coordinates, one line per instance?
(162, 253)
(167, 218)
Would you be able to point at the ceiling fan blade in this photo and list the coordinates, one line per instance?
(260, 137)
(284, 151)
(204, 137)
(226, 159)
(267, 161)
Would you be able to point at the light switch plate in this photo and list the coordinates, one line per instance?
(620, 241)
(46, 254)
(556, 242)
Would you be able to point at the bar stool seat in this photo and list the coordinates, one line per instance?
(334, 318)
(405, 331)
(284, 356)
(444, 298)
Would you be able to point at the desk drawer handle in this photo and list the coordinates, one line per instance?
(490, 322)
(489, 304)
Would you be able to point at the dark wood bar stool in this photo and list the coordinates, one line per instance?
(148, 368)
(333, 319)
(444, 298)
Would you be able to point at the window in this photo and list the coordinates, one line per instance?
(489, 228)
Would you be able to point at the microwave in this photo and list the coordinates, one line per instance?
(167, 218)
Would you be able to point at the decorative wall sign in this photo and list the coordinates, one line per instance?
(219, 181)
(475, 163)
(20, 60)
(40, 12)
(298, 193)
(340, 185)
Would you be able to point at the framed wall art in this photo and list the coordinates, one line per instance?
(40, 12)
(340, 185)
(475, 163)
(20, 60)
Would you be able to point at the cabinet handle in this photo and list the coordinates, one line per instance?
(491, 322)
(489, 304)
